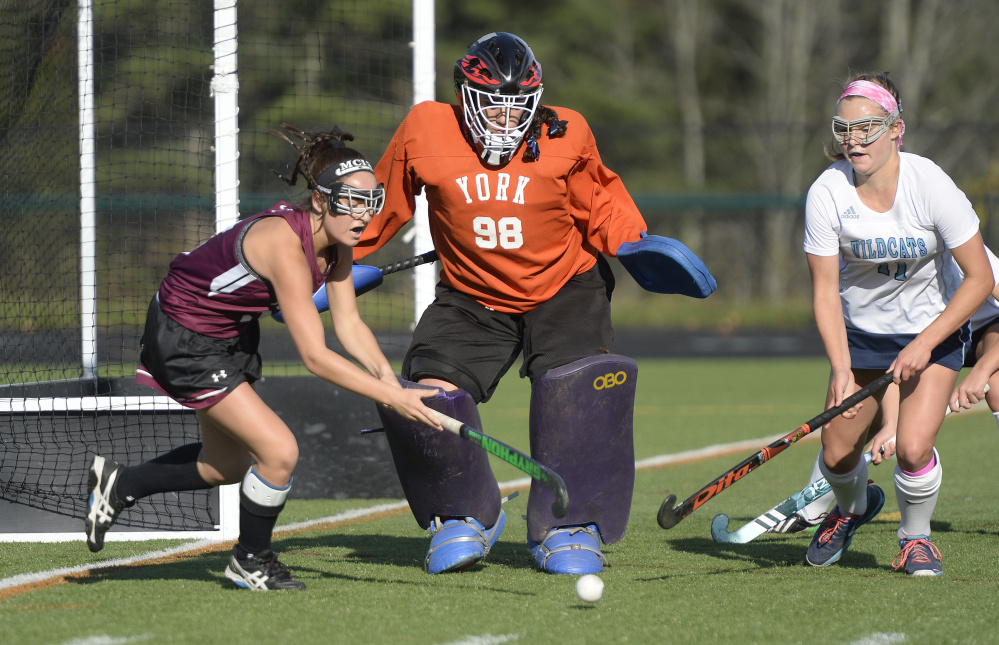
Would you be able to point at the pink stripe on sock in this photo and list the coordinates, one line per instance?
(925, 469)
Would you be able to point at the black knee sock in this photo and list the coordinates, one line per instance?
(256, 525)
(174, 471)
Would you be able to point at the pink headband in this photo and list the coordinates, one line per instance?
(879, 95)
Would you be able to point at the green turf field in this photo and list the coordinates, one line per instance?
(366, 584)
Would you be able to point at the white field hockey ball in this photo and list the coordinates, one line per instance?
(589, 588)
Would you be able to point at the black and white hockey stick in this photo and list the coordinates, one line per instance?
(367, 278)
(767, 521)
(773, 517)
(669, 516)
(548, 477)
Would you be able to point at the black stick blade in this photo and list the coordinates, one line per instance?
(561, 504)
(667, 517)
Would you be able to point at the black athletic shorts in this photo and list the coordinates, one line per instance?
(466, 344)
(195, 370)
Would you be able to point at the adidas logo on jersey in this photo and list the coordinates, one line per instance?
(850, 213)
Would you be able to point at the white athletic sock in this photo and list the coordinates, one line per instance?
(996, 415)
(850, 488)
(822, 504)
(917, 497)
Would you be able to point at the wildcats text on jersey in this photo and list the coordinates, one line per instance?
(880, 248)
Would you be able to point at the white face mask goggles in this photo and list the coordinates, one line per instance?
(358, 200)
(866, 130)
(490, 120)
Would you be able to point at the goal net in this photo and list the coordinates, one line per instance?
(131, 132)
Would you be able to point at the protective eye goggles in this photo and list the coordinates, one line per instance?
(358, 201)
(866, 130)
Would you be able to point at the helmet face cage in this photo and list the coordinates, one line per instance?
(499, 137)
(498, 76)
(359, 200)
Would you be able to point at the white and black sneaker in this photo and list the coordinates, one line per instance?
(103, 505)
(794, 523)
(260, 572)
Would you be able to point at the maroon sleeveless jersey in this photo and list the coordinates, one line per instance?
(213, 291)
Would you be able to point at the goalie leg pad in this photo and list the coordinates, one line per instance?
(441, 474)
(581, 427)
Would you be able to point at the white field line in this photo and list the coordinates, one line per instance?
(880, 638)
(10, 586)
(486, 639)
(108, 640)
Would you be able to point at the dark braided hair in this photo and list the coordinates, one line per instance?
(319, 151)
(544, 115)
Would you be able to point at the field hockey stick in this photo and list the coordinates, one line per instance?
(669, 516)
(776, 515)
(548, 477)
(367, 278)
(779, 513)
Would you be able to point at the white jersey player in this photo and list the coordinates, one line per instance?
(883, 231)
(983, 358)
(909, 243)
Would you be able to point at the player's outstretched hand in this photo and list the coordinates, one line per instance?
(409, 403)
(911, 361)
(969, 391)
(842, 385)
(883, 445)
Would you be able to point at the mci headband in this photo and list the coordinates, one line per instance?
(337, 172)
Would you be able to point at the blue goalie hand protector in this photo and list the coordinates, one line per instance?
(664, 265)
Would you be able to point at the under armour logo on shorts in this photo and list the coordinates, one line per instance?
(219, 375)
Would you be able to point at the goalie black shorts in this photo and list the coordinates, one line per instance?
(195, 370)
(471, 346)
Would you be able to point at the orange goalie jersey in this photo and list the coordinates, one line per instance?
(509, 236)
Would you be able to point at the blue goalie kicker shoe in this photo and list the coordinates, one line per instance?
(835, 533)
(573, 550)
(457, 544)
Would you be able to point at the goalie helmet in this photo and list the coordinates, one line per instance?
(498, 83)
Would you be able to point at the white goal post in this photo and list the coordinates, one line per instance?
(225, 93)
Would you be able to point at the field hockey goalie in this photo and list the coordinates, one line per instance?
(580, 427)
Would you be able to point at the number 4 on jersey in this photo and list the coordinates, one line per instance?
(899, 270)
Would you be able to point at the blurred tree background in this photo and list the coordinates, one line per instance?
(714, 112)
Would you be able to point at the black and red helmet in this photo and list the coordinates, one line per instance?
(499, 63)
(498, 74)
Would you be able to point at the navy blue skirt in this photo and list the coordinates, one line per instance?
(877, 351)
